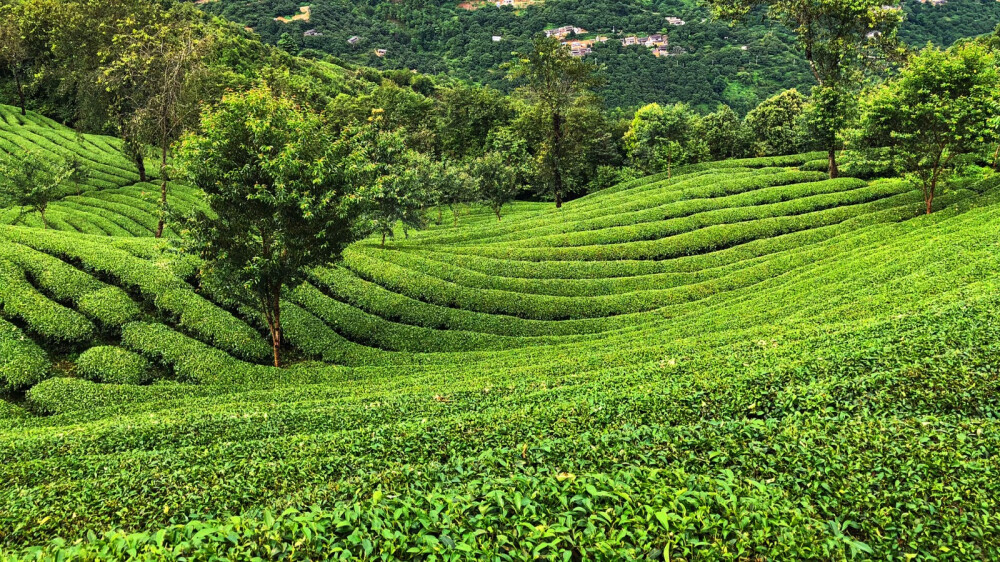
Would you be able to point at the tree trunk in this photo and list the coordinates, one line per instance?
(276, 331)
(45, 223)
(440, 215)
(929, 198)
(834, 170)
(20, 92)
(140, 163)
(163, 189)
(557, 186)
(383, 240)
(497, 212)
(996, 159)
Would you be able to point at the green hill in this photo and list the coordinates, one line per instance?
(740, 66)
(742, 361)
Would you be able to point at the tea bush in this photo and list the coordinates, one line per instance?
(113, 365)
(743, 361)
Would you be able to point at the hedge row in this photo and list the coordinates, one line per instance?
(709, 239)
(375, 331)
(107, 304)
(759, 189)
(805, 198)
(22, 362)
(660, 193)
(114, 365)
(51, 320)
(9, 411)
(170, 294)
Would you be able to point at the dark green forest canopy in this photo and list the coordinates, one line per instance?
(714, 63)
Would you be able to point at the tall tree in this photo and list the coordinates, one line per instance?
(400, 191)
(285, 193)
(156, 67)
(14, 54)
(840, 40)
(724, 134)
(554, 82)
(657, 136)
(775, 124)
(934, 113)
(501, 171)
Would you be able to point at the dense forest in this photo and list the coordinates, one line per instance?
(714, 63)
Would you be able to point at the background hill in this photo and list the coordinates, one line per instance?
(717, 63)
(737, 361)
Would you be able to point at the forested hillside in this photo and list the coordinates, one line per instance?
(716, 63)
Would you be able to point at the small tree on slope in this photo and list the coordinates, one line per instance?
(285, 194)
(841, 39)
(934, 113)
(31, 182)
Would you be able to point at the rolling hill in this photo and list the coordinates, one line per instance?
(745, 360)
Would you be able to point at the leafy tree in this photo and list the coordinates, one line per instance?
(401, 191)
(935, 112)
(467, 116)
(14, 53)
(554, 82)
(155, 69)
(452, 186)
(501, 171)
(285, 194)
(32, 181)
(724, 134)
(840, 39)
(774, 124)
(824, 116)
(657, 136)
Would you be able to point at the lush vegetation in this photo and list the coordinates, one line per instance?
(738, 361)
(361, 313)
(711, 68)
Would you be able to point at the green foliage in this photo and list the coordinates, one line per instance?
(22, 362)
(21, 301)
(284, 192)
(775, 124)
(113, 365)
(925, 121)
(32, 182)
(501, 171)
(659, 138)
(558, 88)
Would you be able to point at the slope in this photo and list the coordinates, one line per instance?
(741, 361)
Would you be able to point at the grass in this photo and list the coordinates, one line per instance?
(744, 361)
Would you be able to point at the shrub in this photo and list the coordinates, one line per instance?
(114, 365)
(22, 362)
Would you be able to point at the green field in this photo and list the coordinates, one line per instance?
(745, 361)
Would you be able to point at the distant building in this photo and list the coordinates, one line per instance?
(380, 52)
(675, 21)
(630, 40)
(497, 38)
(312, 33)
(563, 31)
(502, 3)
(353, 40)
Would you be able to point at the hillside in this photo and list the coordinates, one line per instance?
(742, 361)
(716, 63)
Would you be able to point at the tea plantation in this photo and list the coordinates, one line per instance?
(744, 361)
